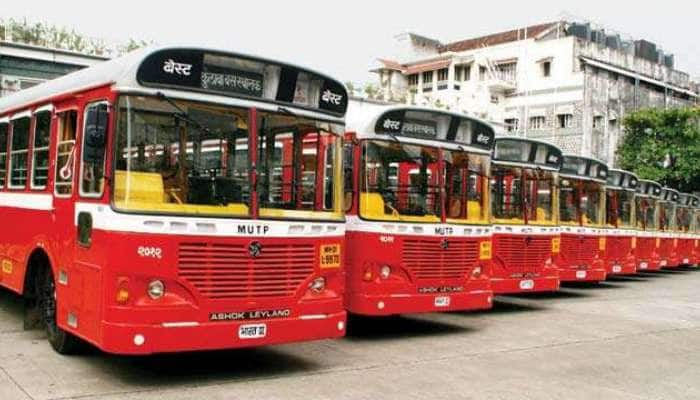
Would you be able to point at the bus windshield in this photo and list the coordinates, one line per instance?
(592, 204)
(299, 172)
(568, 202)
(520, 195)
(646, 213)
(400, 182)
(183, 157)
(466, 180)
(666, 216)
(619, 205)
(683, 219)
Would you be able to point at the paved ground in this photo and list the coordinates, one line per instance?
(632, 338)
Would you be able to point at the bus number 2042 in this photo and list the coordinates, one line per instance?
(150, 252)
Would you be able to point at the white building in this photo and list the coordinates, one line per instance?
(23, 65)
(561, 82)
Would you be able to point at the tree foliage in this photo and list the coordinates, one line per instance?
(55, 37)
(664, 146)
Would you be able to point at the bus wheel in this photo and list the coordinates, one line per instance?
(61, 341)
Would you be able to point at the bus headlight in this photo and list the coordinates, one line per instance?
(156, 289)
(385, 271)
(318, 284)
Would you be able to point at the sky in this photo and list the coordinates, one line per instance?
(343, 38)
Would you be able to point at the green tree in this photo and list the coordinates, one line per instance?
(664, 146)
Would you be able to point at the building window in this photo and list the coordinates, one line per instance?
(494, 99)
(458, 74)
(537, 123)
(511, 124)
(565, 120)
(612, 124)
(65, 153)
(482, 73)
(4, 131)
(18, 153)
(546, 69)
(40, 150)
(598, 122)
(413, 80)
(427, 77)
(507, 71)
(467, 73)
(442, 74)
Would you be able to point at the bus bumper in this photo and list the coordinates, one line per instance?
(393, 304)
(582, 275)
(622, 268)
(524, 285)
(143, 339)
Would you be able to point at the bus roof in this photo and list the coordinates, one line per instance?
(689, 200)
(621, 179)
(421, 125)
(586, 168)
(196, 69)
(527, 153)
(670, 194)
(649, 188)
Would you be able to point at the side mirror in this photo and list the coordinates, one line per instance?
(96, 120)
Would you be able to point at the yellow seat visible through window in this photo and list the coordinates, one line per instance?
(146, 187)
(474, 210)
(372, 205)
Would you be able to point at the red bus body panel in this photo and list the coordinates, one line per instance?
(647, 254)
(580, 258)
(620, 258)
(523, 263)
(423, 274)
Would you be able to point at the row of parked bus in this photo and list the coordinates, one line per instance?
(184, 199)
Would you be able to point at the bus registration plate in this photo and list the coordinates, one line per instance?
(528, 284)
(617, 269)
(686, 261)
(252, 331)
(581, 274)
(643, 265)
(442, 301)
(663, 263)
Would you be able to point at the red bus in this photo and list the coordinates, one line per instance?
(176, 199)
(667, 237)
(647, 223)
(695, 233)
(621, 236)
(416, 192)
(687, 203)
(523, 213)
(582, 219)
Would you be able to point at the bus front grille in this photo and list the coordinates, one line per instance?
(228, 271)
(437, 258)
(617, 248)
(522, 254)
(578, 251)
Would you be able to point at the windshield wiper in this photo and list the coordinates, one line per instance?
(182, 114)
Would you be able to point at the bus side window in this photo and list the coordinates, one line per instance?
(348, 176)
(40, 150)
(92, 167)
(65, 153)
(18, 153)
(4, 131)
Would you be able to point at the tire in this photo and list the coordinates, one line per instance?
(61, 341)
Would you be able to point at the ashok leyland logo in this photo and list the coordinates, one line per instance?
(445, 244)
(176, 68)
(254, 249)
(331, 98)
